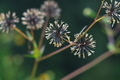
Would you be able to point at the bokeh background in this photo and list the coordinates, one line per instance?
(15, 66)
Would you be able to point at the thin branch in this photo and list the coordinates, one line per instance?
(43, 32)
(66, 40)
(32, 33)
(20, 32)
(99, 9)
(116, 29)
(109, 34)
(34, 70)
(53, 53)
(88, 66)
(92, 25)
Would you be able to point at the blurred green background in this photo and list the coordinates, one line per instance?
(13, 47)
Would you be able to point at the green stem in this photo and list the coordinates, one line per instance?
(87, 66)
(34, 70)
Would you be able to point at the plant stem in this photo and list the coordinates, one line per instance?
(88, 66)
(55, 52)
(99, 10)
(92, 25)
(34, 70)
(43, 32)
(116, 29)
(109, 34)
(20, 32)
(32, 33)
(66, 40)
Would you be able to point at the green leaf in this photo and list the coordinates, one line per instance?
(36, 53)
(30, 55)
(89, 13)
(42, 50)
(34, 44)
(29, 35)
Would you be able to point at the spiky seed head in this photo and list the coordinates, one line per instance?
(85, 44)
(51, 8)
(113, 11)
(7, 21)
(56, 32)
(33, 18)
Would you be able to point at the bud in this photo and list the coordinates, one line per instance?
(89, 13)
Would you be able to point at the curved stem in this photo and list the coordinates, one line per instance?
(34, 70)
(20, 32)
(43, 32)
(53, 53)
(88, 66)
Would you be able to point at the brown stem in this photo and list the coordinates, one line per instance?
(32, 33)
(99, 10)
(55, 52)
(15, 28)
(66, 40)
(88, 66)
(43, 32)
(92, 25)
(34, 70)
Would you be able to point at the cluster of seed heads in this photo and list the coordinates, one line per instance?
(57, 32)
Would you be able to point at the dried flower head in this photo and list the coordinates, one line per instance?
(56, 32)
(51, 8)
(33, 19)
(7, 21)
(85, 44)
(113, 11)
